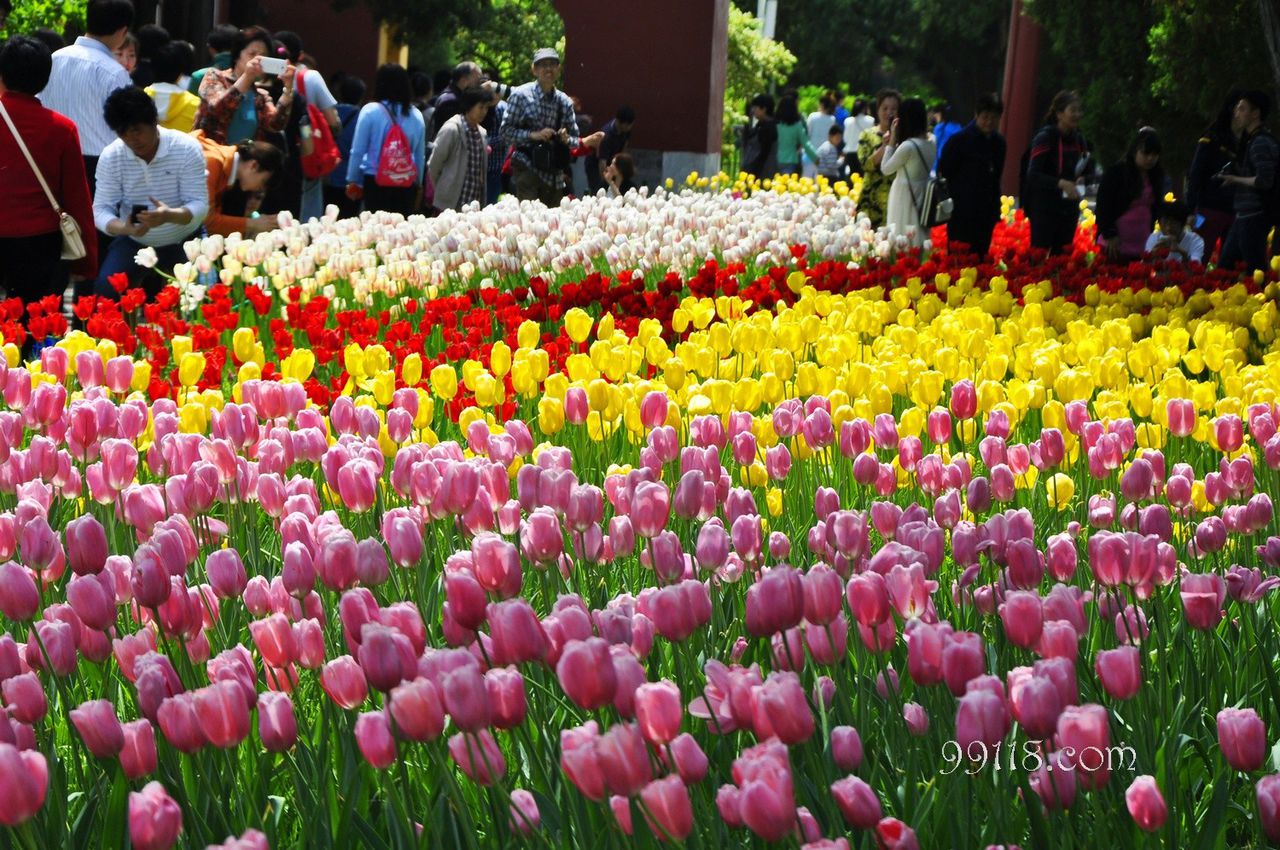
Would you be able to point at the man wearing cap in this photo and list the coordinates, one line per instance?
(539, 114)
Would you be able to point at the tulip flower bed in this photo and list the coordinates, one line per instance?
(737, 544)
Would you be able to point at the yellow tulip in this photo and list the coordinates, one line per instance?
(550, 415)
(528, 335)
(577, 324)
(500, 359)
(411, 369)
(190, 368)
(444, 381)
(242, 342)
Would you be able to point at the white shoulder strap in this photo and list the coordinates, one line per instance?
(30, 161)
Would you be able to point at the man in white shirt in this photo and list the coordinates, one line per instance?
(84, 75)
(151, 193)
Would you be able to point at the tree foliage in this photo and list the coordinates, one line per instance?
(30, 15)
(953, 50)
(509, 34)
(755, 64)
(424, 20)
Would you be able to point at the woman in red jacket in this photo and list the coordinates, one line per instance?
(30, 238)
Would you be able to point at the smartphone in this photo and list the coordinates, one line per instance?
(272, 65)
(133, 213)
(1199, 222)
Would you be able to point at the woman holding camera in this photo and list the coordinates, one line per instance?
(233, 108)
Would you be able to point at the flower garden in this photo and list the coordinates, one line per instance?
(699, 517)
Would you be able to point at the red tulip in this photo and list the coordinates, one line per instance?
(155, 820)
(893, 834)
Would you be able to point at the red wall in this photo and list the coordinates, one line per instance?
(664, 58)
(340, 41)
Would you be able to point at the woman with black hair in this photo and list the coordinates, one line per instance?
(873, 145)
(233, 107)
(1056, 166)
(793, 137)
(1127, 199)
(388, 153)
(760, 140)
(908, 158)
(1212, 209)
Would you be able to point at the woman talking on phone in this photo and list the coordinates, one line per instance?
(233, 108)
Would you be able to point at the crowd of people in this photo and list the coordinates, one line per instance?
(142, 149)
(1229, 205)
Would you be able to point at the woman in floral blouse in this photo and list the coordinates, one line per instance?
(232, 108)
(874, 200)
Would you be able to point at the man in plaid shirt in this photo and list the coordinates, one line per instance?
(538, 112)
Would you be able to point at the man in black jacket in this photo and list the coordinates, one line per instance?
(972, 162)
(1253, 179)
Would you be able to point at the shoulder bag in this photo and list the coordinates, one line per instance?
(72, 241)
(936, 205)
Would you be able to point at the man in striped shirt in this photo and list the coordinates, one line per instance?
(151, 193)
(86, 73)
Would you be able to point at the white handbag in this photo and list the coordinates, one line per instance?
(72, 241)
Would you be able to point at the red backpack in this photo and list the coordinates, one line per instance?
(324, 156)
(396, 168)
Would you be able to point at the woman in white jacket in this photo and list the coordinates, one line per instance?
(909, 158)
(459, 161)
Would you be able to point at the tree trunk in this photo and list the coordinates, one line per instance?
(1269, 11)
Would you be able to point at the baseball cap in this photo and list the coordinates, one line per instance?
(546, 53)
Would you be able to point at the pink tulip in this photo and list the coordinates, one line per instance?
(1054, 781)
(1022, 616)
(277, 725)
(667, 808)
(373, 737)
(690, 760)
(466, 697)
(99, 727)
(524, 814)
(846, 748)
(275, 640)
(1120, 671)
(222, 714)
(1202, 598)
(857, 802)
(1243, 738)
(964, 399)
(507, 700)
(1146, 804)
(1085, 738)
(917, 719)
(893, 834)
(138, 756)
(155, 820)
(775, 603)
(19, 599)
(516, 633)
(1268, 797)
(86, 545)
(416, 709)
(624, 759)
(981, 718)
(25, 698)
(344, 681)
(658, 711)
(580, 760)
(24, 776)
(1035, 701)
(650, 508)
(477, 755)
(1229, 431)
